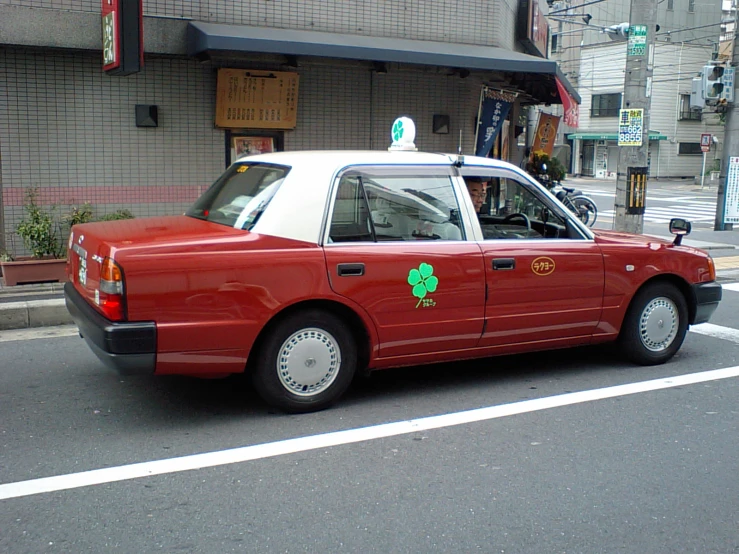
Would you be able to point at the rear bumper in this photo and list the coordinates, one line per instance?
(128, 348)
(707, 297)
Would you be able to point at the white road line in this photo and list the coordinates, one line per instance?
(349, 436)
(730, 286)
(716, 331)
(39, 333)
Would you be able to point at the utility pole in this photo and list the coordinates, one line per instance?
(731, 143)
(632, 159)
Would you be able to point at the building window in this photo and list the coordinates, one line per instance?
(606, 105)
(691, 6)
(670, 4)
(689, 148)
(686, 113)
(555, 41)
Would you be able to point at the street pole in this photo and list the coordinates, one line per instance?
(637, 95)
(731, 145)
(703, 171)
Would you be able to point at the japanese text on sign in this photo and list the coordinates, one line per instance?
(731, 206)
(630, 127)
(256, 99)
(637, 40)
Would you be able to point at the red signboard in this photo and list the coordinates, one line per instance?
(123, 36)
(111, 36)
(571, 107)
(533, 29)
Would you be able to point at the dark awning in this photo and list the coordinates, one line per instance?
(207, 37)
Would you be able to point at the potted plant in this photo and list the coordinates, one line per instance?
(41, 236)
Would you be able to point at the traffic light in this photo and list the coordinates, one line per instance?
(712, 82)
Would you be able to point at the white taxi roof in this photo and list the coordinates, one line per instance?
(297, 209)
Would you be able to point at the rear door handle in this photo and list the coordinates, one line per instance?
(504, 263)
(350, 270)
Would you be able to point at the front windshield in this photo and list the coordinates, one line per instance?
(240, 196)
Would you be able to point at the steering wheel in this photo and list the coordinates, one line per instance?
(519, 216)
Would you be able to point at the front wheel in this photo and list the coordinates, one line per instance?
(587, 211)
(306, 362)
(655, 324)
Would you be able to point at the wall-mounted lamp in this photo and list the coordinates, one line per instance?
(380, 67)
(464, 73)
(291, 62)
(146, 115)
(441, 124)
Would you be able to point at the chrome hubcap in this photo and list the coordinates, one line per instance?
(658, 324)
(308, 362)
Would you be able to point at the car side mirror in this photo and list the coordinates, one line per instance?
(680, 228)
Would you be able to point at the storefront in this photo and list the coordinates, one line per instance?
(596, 154)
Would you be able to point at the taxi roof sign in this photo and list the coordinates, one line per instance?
(403, 134)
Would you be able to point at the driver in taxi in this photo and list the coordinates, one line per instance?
(477, 187)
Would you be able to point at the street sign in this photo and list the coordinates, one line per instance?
(637, 40)
(630, 127)
(728, 82)
(705, 142)
(731, 199)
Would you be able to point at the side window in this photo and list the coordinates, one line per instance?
(413, 208)
(350, 220)
(385, 207)
(514, 211)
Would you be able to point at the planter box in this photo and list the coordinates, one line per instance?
(31, 270)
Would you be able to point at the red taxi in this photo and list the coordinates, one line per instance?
(302, 268)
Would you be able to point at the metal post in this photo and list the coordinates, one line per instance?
(703, 171)
(637, 95)
(731, 145)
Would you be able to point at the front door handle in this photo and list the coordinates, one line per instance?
(504, 263)
(350, 270)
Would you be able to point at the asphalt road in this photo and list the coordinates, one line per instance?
(654, 470)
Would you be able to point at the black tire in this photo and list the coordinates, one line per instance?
(310, 337)
(644, 338)
(587, 211)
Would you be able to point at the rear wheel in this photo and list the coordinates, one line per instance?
(306, 362)
(655, 325)
(587, 211)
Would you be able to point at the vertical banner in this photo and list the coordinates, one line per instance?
(546, 133)
(636, 180)
(571, 107)
(494, 108)
(731, 194)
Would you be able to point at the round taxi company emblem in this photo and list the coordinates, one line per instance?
(542, 265)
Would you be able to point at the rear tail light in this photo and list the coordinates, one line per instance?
(111, 290)
(711, 269)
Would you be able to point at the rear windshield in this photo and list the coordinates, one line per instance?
(240, 196)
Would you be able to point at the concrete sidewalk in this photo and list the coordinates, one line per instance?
(26, 306)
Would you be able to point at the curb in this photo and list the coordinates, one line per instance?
(34, 313)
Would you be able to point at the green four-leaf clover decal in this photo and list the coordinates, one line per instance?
(423, 281)
(398, 130)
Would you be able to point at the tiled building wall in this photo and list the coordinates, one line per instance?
(69, 130)
(486, 22)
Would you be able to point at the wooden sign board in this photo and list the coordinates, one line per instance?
(256, 99)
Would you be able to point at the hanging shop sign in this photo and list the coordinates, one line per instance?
(546, 133)
(630, 127)
(637, 45)
(636, 179)
(731, 196)
(256, 99)
(533, 29)
(493, 110)
(123, 36)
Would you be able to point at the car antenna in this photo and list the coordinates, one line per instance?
(460, 157)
